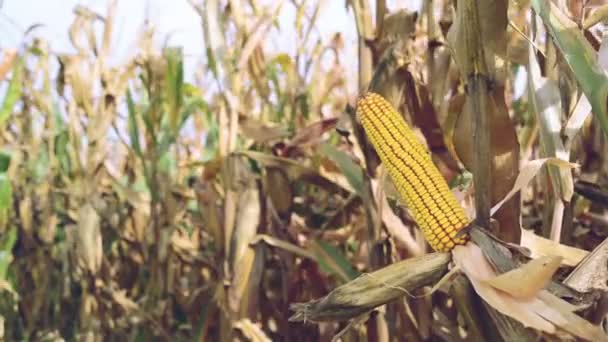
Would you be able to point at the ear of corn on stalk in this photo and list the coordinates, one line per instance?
(417, 179)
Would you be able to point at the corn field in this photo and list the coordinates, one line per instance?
(248, 199)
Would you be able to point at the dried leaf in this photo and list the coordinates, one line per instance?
(504, 151)
(591, 273)
(284, 245)
(544, 312)
(7, 62)
(600, 14)
(243, 271)
(256, 37)
(471, 260)
(242, 256)
(279, 189)
(527, 280)
(89, 251)
(297, 171)
(540, 246)
(247, 221)
(313, 133)
(123, 300)
(581, 112)
(527, 172)
(26, 217)
(251, 331)
(402, 234)
(260, 132)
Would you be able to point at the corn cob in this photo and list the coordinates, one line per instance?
(418, 181)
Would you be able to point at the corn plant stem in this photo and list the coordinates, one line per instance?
(557, 220)
(363, 20)
(467, 303)
(429, 6)
(381, 11)
(475, 71)
(478, 92)
(364, 24)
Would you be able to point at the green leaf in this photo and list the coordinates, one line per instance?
(61, 151)
(211, 139)
(149, 121)
(6, 251)
(579, 55)
(133, 125)
(13, 92)
(167, 163)
(5, 161)
(39, 166)
(211, 63)
(206, 311)
(170, 135)
(463, 179)
(6, 203)
(174, 85)
(6, 200)
(352, 172)
(302, 101)
(332, 261)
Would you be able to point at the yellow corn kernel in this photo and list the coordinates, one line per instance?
(421, 186)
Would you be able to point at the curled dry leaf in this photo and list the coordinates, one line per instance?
(526, 281)
(259, 131)
(471, 260)
(124, 301)
(313, 133)
(297, 171)
(540, 246)
(544, 311)
(284, 245)
(183, 244)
